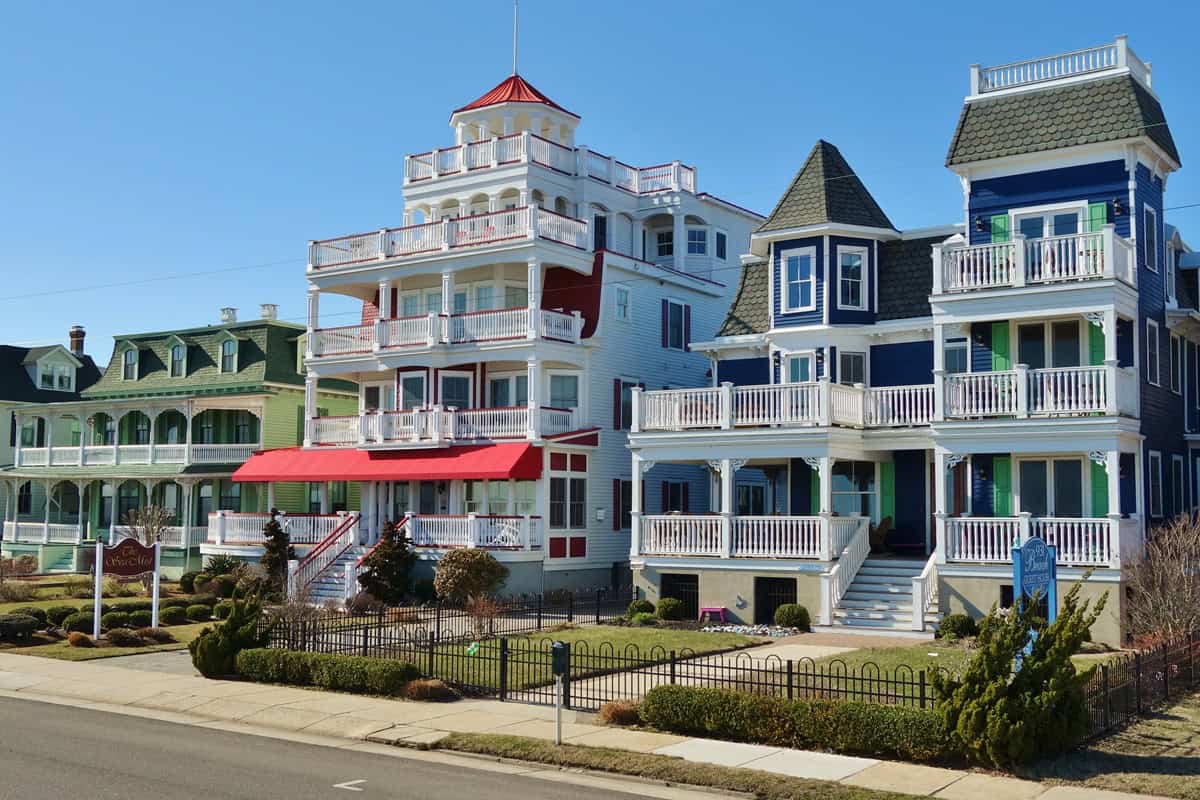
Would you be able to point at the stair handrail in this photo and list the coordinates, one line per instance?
(924, 589)
(835, 582)
(327, 552)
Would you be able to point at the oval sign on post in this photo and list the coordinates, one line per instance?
(1037, 568)
(128, 559)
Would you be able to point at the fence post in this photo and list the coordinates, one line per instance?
(366, 637)
(672, 667)
(571, 607)
(789, 679)
(1137, 681)
(1191, 661)
(566, 682)
(432, 643)
(597, 606)
(503, 668)
(1107, 703)
(921, 681)
(438, 621)
(539, 617)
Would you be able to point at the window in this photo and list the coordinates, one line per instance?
(674, 496)
(799, 369)
(231, 496)
(472, 497)
(178, 353)
(498, 499)
(665, 243)
(852, 368)
(47, 379)
(433, 302)
(675, 324)
(854, 488)
(1170, 256)
(207, 430)
(1176, 364)
(229, 355)
(697, 242)
(625, 509)
(722, 244)
(564, 391)
(129, 365)
(410, 305)
(851, 265)
(412, 391)
(1177, 474)
(516, 297)
(507, 391)
(242, 427)
(455, 390)
(626, 404)
(29, 433)
(956, 355)
(751, 499)
(525, 498)
(621, 305)
(314, 498)
(129, 498)
(1052, 487)
(485, 298)
(25, 498)
(141, 429)
(799, 279)
(1152, 352)
(568, 490)
(1150, 234)
(1156, 496)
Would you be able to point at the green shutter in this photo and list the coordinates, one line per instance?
(1099, 490)
(1002, 486)
(1095, 345)
(815, 491)
(1097, 216)
(1000, 228)
(1000, 358)
(887, 491)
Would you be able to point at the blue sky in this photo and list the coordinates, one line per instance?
(153, 140)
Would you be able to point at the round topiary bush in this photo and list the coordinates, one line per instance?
(199, 613)
(79, 621)
(221, 610)
(14, 627)
(140, 619)
(793, 615)
(209, 600)
(223, 586)
(157, 635)
(201, 582)
(642, 618)
(114, 619)
(56, 614)
(957, 626)
(88, 608)
(123, 637)
(670, 608)
(187, 581)
(639, 606)
(173, 615)
(32, 611)
(175, 602)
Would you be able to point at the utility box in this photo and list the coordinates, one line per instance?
(560, 656)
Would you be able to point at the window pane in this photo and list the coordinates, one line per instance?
(578, 502)
(675, 326)
(1065, 224)
(851, 368)
(522, 394)
(412, 391)
(1034, 487)
(721, 244)
(1032, 227)
(1068, 488)
(456, 391)
(564, 391)
(1066, 344)
(1031, 346)
(558, 502)
(498, 394)
(956, 357)
(410, 305)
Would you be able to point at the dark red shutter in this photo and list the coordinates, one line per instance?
(483, 398)
(666, 312)
(578, 546)
(616, 404)
(558, 546)
(666, 496)
(616, 504)
(687, 326)
(395, 306)
(684, 500)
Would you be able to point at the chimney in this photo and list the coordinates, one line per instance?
(76, 335)
(269, 311)
(228, 315)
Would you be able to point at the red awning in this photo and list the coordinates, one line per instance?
(473, 462)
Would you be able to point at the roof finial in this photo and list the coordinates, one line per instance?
(514, 72)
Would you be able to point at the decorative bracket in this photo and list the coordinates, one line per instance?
(715, 466)
(736, 463)
(1096, 318)
(1098, 457)
(814, 463)
(953, 460)
(647, 465)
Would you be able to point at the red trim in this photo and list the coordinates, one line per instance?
(517, 460)
(513, 89)
(585, 438)
(328, 541)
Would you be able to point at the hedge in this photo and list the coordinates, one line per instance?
(354, 674)
(221, 610)
(669, 608)
(114, 619)
(17, 626)
(172, 615)
(199, 612)
(140, 619)
(31, 611)
(843, 726)
(56, 614)
(79, 621)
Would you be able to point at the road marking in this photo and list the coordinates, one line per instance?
(351, 786)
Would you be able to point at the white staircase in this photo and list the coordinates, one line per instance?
(881, 597)
(330, 585)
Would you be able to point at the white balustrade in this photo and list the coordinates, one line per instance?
(411, 240)
(981, 394)
(64, 456)
(343, 250)
(492, 423)
(778, 404)
(28, 532)
(897, 406)
(400, 426)
(488, 228)
(566, 230)
(99, 455)
(342, 341)
(1048, 68)
(561, 327)
(981, 539)
(134, 454)
(924, 591)
(309, 528)
(846, 405)
(550, 154)
(978, 266)
(681, 535)
(850, 558)
(326, 553)
(506, 532)
(1077, 541)
(1053, 259)
(407, 331)
(557, 420)
(599, 167)
(34, 456)
(656, 179)
(510, 148)
(174, 536)
(1128, 391)
(1060, 258)
(333, 430)
(777, 537)
(439, 530)
(625, 177)
(222, 453)
(485, 326)
(63, 533)
(842, 530)
(238, 527)
(1068, 390)
(170, 453)
(678, 409)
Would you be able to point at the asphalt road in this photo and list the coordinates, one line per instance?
(53, 752)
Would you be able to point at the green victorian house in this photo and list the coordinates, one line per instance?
(167, 423)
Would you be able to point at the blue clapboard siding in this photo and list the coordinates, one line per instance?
(816, 316)
(911, 498)
(744, 371)
(981, 347)
(982, 489)
(852, 317)
(902, 364)
(1125, 342)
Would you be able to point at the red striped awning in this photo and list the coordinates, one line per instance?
(520, 461)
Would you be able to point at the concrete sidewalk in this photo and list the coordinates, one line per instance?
(161, 685)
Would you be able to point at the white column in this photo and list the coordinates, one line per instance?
(270, 496)
(81, 523)
(323, 496)
(310, 407)
(47, 488)
(939, 503)
(153, 431)
(635, 506)
(533, 400)
(534, 301)
(49, 441)
(939, 372)
(188, 415)
(678, 239)
(635, 244)
(447, 293)
(1112, 465)
(727, 485)
(1112, 362)
(314, 309)
(19, 421)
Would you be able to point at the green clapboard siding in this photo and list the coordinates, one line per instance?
(1095, 345)
(1002, 500)
(887, 490)
(1000, 353)
(1000, 228)
(1099, 490)
(1097, 216)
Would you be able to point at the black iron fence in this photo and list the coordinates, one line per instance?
(1127, 686)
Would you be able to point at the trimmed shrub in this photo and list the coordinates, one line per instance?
(140, 619)
(355, 674)
(639, 606)
(187, 581)
(670, 609)
(80, 621)
(620, 712)
(202, 582)
(957, 626)
(114, 619)
(276, 666)
(199, 613)
(56, 614)
(17, 591)
(156, 635)
(214, 652)
(643, 618)
(429, 690)
(115, 588)
(221, 610)
(136, 605)
(839, 725)
(793, 615)
(174, 615)
(79, 639)
(209, 600)
(223, 586)
(222, 564)
(175, 602)
(122, 637)
(31, 611)
(14, 627)
(88, 608)
(468, 573)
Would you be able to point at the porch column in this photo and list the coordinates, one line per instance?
(635, 244)
(678, 238)
(153, 425)
(48, 487)
(727, 470)
(533, 392)
(270, 496)
(49, 441)
(314, 309)
(447, 293)
(185, 513)
(1111, 363)
(939, 504)
(635, 504)
(825, 487)
(323, 496)
(81, 522)
(85, 423)
(534, 296)
(385, 313)
(939, 372)
(310, 407)
(188, 414)
(19, 422)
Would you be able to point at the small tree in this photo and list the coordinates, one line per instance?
(214, 651)
(1164, 582)
(387, 568)
(277, 552)
(468, 574)
(1010, 707)
(148, 524)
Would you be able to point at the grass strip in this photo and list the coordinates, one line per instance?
(671, 770)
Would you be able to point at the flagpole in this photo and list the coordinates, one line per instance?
(514, 72)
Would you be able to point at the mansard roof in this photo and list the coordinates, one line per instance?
(750, 312)
(1104, 110)
(826, 191)
(513, 89)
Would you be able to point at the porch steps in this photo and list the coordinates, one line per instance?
(330, 585)
(880, 597)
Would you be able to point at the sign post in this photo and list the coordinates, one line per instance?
(560, 658)
(128, 558)
(98, 589)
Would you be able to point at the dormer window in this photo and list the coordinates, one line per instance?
(851, 268)
(129, 365)
(177, 359)
(799, 279)
(56, 377)
(229, 355)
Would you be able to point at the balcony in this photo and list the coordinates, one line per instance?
(820, 538)
(491, 532)
(433, 330)
(133, 454)
(46, 532)
(1079, 542)
(1072, 258)
(451, 234)
(528, 148)
(245, 529)
(176, 536)
(435, 427)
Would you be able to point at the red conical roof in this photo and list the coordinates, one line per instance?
(513, 89)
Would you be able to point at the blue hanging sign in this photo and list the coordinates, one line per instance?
(1035, 573)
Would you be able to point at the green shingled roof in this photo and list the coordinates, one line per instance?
(824, 191)
(750, 312)
(1104, 110)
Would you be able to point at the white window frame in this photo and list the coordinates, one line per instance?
(719, 234)
(1047, 213)
(864, 252)
(171, 360)
(237, 354)
(682, 324)
(784, 283)
(1178, 470)
(866, 370)
(1154, 467)
(1014, 337)
(419, 375)
(1151, 263)
(701, 243)
(660, 244)
(137, 367)
(1170, 263)
(511, 379)
(1176, 366)
(1085, 499)
(577, 374)
(387, 389)
(802, 355)
(622, 300)
(454, 373)
(963, 344)
(1153, 354)
(54, 370)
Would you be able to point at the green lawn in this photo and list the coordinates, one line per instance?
(923, 654)
(62, 650)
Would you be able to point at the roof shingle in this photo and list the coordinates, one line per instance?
(906, 278)
(750, 312)
(825, 190)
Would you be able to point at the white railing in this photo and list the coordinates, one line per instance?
(981, 539)
(488, 228)
(842, 531)
(850, 558)
(777, 537)
(324, 555)
(333, 430)
(551, 154)
(557, 420)
(477, 326)
(924, 592)
(236, 527)
(978, 266)
(135, 454)
(565, 230)
(846, 405)
(223, 453)
(433, 329)
(492, 423)
(176, 536)
(1063, 258)
(779, 404)
(309, 528)
(981, 394)
(422, 426)
(681, 535)
(1078, 542)
(64, 456)
(343, 341)
(561, 326)
(898, 406)
(507, 532)
(34, 456)
(24, 531)
(1062, 65)
(487, 531)
(1128, 392)
(410, 331)
(1068, 390)
(677, 409)
(411, 240)
(100, 455)
(64, 533)
(439, 530)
